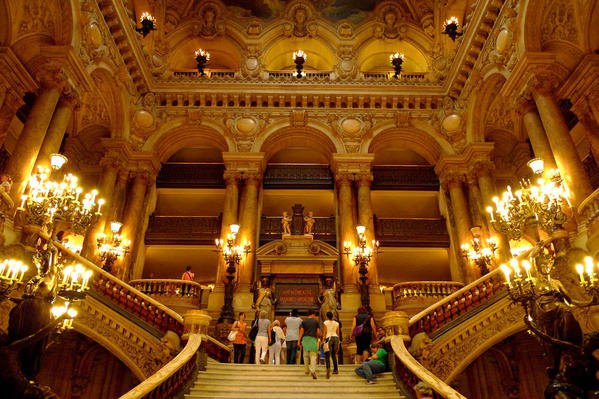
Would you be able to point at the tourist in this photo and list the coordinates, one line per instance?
(380, 336)
(292, 327)
(262, 339)
(275, 346)
(374, 364)
(188, 274)
(308, 338)
(362, 330)
(331, 342)
(241, 340)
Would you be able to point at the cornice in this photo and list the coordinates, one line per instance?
(518, 80)
(71, 63)
(352, 164)
(582, 80)
(247, 163)
(462, 163)
(14, 73)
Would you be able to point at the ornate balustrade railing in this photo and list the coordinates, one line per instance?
(121, 294)
(422, 292)
(298, 176)
(465, 299)
(393, 232)
(404, 178)
(191, 175)
(174, 293)
(324, 229)
(183, 230)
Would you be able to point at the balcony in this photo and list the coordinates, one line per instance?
(191, 175)
(405, 178)
(411, 232)
(183, 230)
(298, 176)
(179, 295)
(324, 229)
(415, 296)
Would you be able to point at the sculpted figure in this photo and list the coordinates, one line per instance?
(286, 222)
(265, 300)
(309, 223)
(328, 300)
(391, 30)
(6, 203)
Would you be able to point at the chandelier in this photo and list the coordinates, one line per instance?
(361, 255)
(543, 202)
(299, 58)
(396, 60)
(202, 57)
(450, 28)
(482, 256)
(11, 275)
(112, 247)
(147, 24)
(47, 201)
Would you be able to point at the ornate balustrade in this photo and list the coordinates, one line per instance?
(457, 304)
(183, 230)
(324, 229)
(419, 294)
(191, 175)
(217, 350)
(404, 178)
(411, 232)
(121, 294)
(298, 176)
(178, 295)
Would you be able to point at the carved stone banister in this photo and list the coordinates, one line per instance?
(217, 350)
(410, 372)
(169, 380)
(461, 301)
(178, 295)
(420, 294)
(122, 294)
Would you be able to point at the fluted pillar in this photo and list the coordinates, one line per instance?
(536, 133)
(248, 222)
(57, 128)
(22, 160)
(346, 224)
(365, 218)
(132, 219)
(106, 191)
(564, 150)
(230, 209)
(462, 221)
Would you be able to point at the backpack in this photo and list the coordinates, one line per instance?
(253, 331)
(363, 328)
(273, 336)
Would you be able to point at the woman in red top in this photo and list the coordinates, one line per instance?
(240, 340)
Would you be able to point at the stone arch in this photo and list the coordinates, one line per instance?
(166, 143)
(415, 140)
(480, 105)
(283, 137)
(114, 100)
(530, 39)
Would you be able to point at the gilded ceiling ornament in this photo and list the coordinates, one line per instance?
(210, 22)
(299, 24)
(38, 16)
(244, 128)
(390, 24)
(351, 130)
(346, 66)
(559, 22)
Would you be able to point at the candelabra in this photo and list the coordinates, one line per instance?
(450, 28)
(47, 201)
(361, 256)
(299, 58)
(543, 202)
(202, 57)
(11, 275)
(483, 257)
(113, 247)
(232, 255)
(147, 24)
(396, 60)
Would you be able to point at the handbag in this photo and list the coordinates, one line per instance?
(325, 346)
(360, 329)
(273, 336)
(232, 335)
(253, 332)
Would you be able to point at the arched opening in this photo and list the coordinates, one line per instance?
(319, 54)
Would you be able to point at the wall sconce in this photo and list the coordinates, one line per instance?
(147, 24)
(451, 28)
(299, 58)
(396, 60)
(202, 57)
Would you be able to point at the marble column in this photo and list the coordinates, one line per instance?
(115, 209)
(22, 160)
(346, 225)
(248, 227)
(58, 126)
(564, 150)
(536, 133)
(132, 220)
(230, 209)
(365, 218)
(462, 221)
(106, 191)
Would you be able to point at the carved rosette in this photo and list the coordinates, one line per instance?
(351, 130)
(244, 128)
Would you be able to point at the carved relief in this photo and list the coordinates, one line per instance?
(500, 115)
(210, 22)
(244, 128)
(38, 16)
(252, 66)
(300, 22)
(93, 111)
(351, 130)
(346, 66)
(559, 22)
(389, 25)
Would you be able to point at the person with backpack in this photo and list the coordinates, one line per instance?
(277, 337)
(362, 329)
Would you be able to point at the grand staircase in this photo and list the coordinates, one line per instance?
(249, 381)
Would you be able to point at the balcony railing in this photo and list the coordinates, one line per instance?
(415, 294)
(324, 229)
(191, 175)
(183, 230)
(411, 232)
(405, 178)
(176, 294)
(298, 176)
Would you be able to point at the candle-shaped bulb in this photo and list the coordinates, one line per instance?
(580, 271)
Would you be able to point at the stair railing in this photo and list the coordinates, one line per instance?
(172, 377)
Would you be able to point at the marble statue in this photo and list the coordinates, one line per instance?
(265, 299)
(286, 222)
(328, 300)
(309, 225)
(6, 203)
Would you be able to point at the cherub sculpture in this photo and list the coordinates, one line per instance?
(286, 222)
(309, 223)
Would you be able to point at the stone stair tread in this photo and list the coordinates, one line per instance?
(275, 395)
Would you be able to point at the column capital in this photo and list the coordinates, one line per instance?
(146, 176)
(542, 81)
(364, 178)
(451, 179)
(252, 177)
(344, 178)
(51, 75)
(352, 163)
(245, 162)
(231, 177)
(69, 98)
(524, 104)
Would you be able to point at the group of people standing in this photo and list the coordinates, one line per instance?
(306, 335)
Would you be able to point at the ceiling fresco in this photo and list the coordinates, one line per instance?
(334, 10)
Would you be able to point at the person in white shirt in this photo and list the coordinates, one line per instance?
(275, 347)
(331, 330)
(292, 327)
(263, 338)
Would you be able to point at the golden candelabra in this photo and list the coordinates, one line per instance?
(482, 256)
(361, 255)
(112, 247)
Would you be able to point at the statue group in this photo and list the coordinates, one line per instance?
(308, 223)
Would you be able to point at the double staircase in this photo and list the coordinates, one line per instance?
(249, 381)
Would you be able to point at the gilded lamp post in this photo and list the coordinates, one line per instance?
(361, 255)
